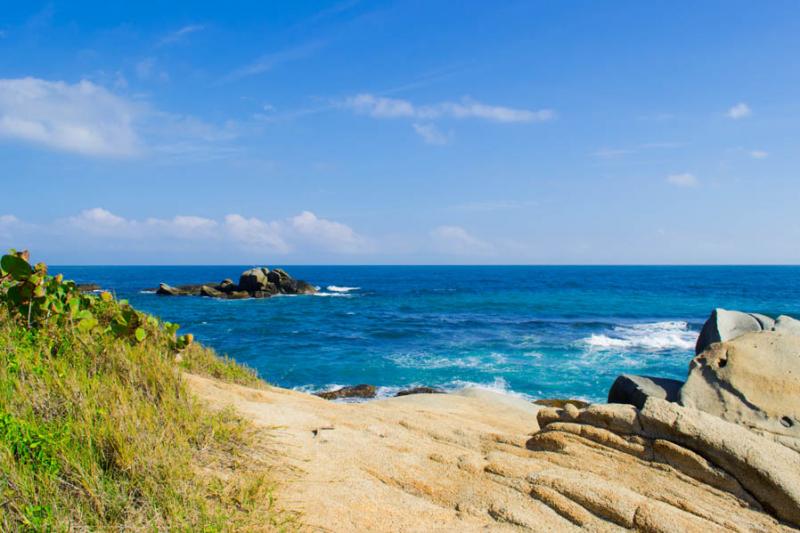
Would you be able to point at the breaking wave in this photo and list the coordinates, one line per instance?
(655, 336)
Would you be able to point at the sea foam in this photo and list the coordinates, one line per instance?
(654, 336)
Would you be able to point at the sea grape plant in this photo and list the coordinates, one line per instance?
(37, 299)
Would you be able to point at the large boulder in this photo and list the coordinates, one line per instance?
(254, 279)
(752, 380)
(635, 390)
(724, 325)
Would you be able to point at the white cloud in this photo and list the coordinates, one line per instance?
(740, 110)
(81, 117)
(759, 154)
(682, 180)
(457, 240)
(300, 232)
(382, 107)
(431, 134)
(330, 235)
(254, 233)
(179, 34)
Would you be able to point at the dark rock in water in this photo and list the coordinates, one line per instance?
(303, 287)
(356, 391)
(237, 295)
(88, 287)
(168, 290)
(254, 283)
(253, 280)
(561, 403)
(211, 292)
(228, 285)
(419, 390)
(635, 390)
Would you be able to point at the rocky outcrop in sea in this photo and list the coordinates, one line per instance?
(258, 282)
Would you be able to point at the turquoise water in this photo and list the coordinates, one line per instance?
(536, 331)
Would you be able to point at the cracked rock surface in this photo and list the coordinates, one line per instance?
(480, 461)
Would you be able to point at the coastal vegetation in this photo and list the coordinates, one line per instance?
(97, 428)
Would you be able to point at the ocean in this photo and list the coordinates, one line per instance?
(535, 331)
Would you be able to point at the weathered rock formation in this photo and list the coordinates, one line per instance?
(253, 283)
(477, 461)
(752, 380)
(721, 454)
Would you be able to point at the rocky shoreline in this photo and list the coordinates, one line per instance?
(258, 282)
(733, 428)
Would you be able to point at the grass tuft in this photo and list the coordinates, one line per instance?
(99, 433)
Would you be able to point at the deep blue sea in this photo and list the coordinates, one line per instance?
(537, 331)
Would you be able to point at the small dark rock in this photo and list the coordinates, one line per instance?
(356, 391)
(635, 390)
(419, 390)
(87, 287)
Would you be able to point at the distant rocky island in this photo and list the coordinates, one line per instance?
(258, 282)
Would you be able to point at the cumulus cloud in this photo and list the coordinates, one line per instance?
(682, 180)
(254, 233)
(301, 232)
(759, 154)
(327, 234)
(81, 117)
(383, 107)
(456, 240)
(431, 134)
(740, 110)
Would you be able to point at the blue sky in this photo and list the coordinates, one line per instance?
(401, 132)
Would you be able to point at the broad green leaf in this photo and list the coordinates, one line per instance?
(16, 266)
(140, 334)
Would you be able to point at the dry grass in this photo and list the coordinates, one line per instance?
(97, 433)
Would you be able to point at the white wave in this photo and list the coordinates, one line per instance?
(335, 288)
(654, 336)
(498, 385)
(147, 292)
(333, 294)
(422, 360)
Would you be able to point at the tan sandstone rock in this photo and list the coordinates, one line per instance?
(478, 462)
(752, 380)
